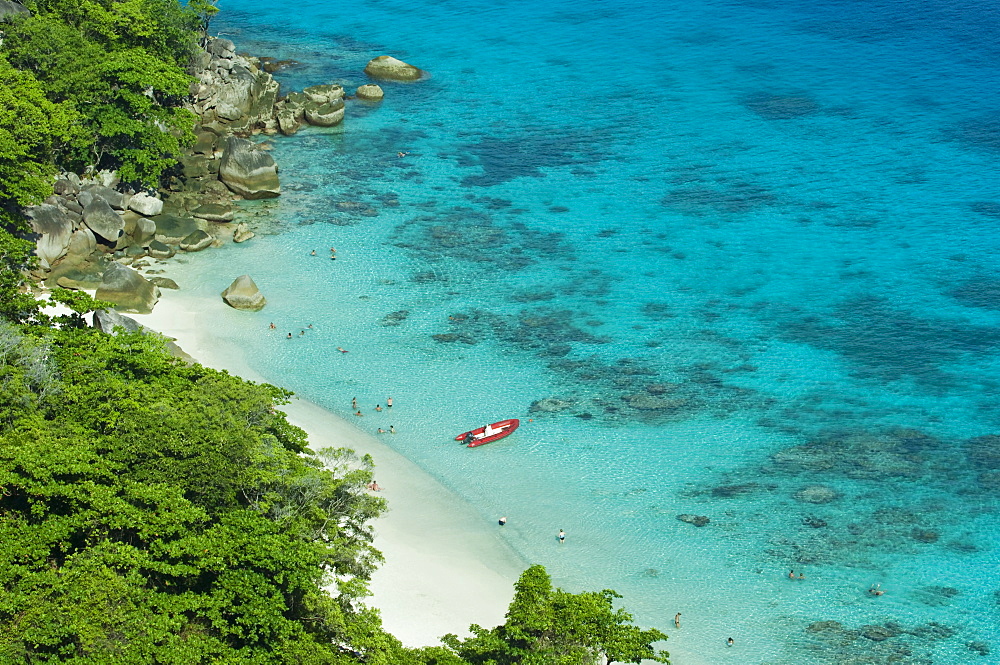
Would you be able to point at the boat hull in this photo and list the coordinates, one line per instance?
(503, 428)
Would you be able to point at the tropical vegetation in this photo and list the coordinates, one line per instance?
(154, 510)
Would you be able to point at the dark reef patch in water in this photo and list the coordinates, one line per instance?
(591, 388)
(886, 343)
(981, 292)
(888, 643)
(987, 208)
(734, 198)
(982, 133)
(523, 155)
(773, 106)
(463, 234)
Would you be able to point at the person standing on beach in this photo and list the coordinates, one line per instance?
(562, 536)
(677, 620)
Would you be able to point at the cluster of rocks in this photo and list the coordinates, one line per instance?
(236, 94)
(96, 233)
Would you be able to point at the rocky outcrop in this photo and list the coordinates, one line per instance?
(244, 294)
(242, 233)
(145, 205)
(127, 290)
(102, 220)
(233, 93)
(144, 232)
(8, 8)
(171, 229)
(106, 320)
(117, 200)
(196, 242)
(248, 171)
(160, 250)
(55, 231)
(82, 244)
(325, 115)
(369, 92)
(164, 282)
(389, 68)
(214, 212)
(324, 94)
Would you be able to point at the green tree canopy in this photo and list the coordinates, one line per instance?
(547, 626)
(118, 67)
(32, 129)
(152, 511)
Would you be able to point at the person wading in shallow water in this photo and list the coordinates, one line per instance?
(677, 620)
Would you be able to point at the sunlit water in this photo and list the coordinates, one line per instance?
(745, 251)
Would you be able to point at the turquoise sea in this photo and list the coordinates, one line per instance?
(733, 260)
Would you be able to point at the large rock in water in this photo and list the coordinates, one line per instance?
(325, 115)
(127, 290)
(369, 92)
(197, 241)
(55, 230)
(324, 94)
(248, 171)
(244, 294)
(102, 220)
(388, 67)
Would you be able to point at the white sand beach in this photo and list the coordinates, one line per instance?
(446, 565)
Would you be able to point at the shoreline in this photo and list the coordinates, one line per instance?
(441, 556)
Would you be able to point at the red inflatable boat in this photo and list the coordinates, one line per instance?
(489, 433)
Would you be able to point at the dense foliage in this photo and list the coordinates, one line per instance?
(547, 626)
(107, 79)
(152, 511)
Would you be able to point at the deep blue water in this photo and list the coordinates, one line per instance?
(746, 251)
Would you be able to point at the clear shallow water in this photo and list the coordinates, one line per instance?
(750, 249)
